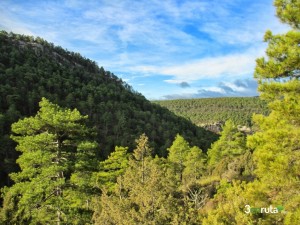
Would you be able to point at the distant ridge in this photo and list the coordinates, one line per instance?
(208, 111)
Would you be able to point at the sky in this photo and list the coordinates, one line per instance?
(164, 49)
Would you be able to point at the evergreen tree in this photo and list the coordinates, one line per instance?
(275, 143)
(142, 195)
(177, 155)
(194, 165)
(57, 162)
(185, 166)
(231, 143)
(112, 168)
(141, 152)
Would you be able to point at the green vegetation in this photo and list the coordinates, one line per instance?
(31, 68)
(231, 143)
(205, 111)
(275, 144)
(57, 164)
(62, 179)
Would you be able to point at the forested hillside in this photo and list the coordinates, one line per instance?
(62, 179)
(32, 68)
(205, 111)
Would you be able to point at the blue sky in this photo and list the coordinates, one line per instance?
(164, 49)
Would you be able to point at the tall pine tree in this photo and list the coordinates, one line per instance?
(275, 144)
(57, 160)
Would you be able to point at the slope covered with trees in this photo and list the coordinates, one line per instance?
(31, 68)
(205, 111)
(241, 179)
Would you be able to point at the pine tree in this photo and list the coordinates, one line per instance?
(177, 155)
(185, 166)
(275, 144)
(141, 152)
(112, 168)
(57, 161)
(194, 165)
(231, 143)
(142, 194)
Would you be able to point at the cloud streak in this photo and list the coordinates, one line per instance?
(230, 66)
(179, 41)
(213, 67)
(236, 88)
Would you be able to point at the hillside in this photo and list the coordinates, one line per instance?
(80, 146)
(32, 68)
(206, 111)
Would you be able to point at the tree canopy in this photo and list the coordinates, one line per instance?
(57, 161)
(32, 68)
(63, 178)
(275, 142)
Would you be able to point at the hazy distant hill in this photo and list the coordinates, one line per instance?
(205, 111)
(32, 68)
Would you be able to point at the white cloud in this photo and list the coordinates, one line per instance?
(9, 23)
(212, 67)
(231, 65)
(145, 38)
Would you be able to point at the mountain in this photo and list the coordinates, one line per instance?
(213, 111)
(32, 68)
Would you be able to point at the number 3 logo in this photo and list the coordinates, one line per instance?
(248, 209)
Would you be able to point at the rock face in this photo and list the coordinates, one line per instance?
(245, 129)
(215, 127)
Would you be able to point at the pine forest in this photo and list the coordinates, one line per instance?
(78, 145)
